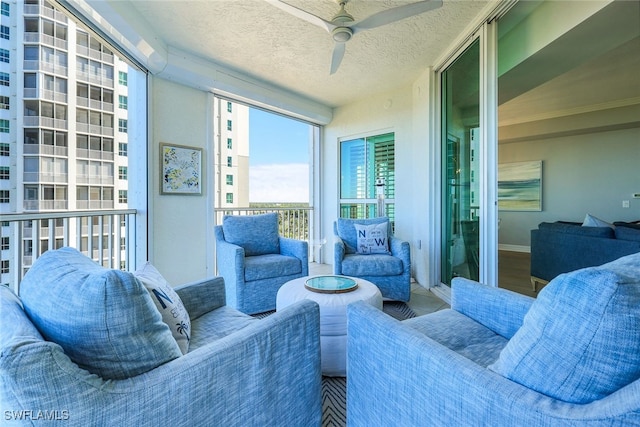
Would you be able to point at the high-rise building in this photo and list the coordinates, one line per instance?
(63, 128)
(232, 154)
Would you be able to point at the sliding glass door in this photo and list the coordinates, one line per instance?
(461, 151)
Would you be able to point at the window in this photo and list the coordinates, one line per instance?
(365, 162)
(229, 197)
(4, 55)
(5, 263)
(4, 32)
(122, 102)
(4, 172)
(122, 196)
(4, 79)
(4, 150)
(229, 161)
(4, 196)
(122, 125)
(229, 107)
(122, 172)
(4, 126)
(4, 244)
(4, 103)
(5, 9)
(229, 143)
(122, 78)
(229, 179)
(229, 125)
(122, 149)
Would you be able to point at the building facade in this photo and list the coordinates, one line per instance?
(64, 140)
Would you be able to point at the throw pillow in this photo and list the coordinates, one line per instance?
(103, 319)
(579, 341)
(592, 221)
(168, 303)
(257, 234)
(372, 238)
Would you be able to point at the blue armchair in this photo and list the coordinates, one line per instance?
(255, 261)
(390, 272)
(497, 358)
(238, 370)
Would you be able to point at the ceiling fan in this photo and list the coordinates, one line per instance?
(343, 27)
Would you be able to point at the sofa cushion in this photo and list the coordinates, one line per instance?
(575, 228)
(624, 232)
(104, 319)
(345, 229)
(217, 324)
(257, 234)
(461, 334)
(268, 266)
(372, 238)
(371, 265)
(168, 304)
(580, 340)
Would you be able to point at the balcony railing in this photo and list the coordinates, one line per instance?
(107, 236)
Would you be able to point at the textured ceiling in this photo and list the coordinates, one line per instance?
(267, 43)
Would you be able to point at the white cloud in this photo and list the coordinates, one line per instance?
(285, 183)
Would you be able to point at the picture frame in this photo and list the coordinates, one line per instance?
(520, 186)
(180, 170)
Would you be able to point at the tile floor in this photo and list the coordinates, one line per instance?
(422, 300)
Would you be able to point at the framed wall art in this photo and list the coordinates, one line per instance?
(180, 169)
(520, 186)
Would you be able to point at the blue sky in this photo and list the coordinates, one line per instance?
(278, 158)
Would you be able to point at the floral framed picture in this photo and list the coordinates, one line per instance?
(180, 169)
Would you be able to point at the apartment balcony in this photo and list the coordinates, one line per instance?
(37, 65)
(94, 179)
(47, 122)
(94, 129)
(108, 236)
(95, 104)
(96, 79)
(45, 177)
(105, 57)
(49, 95)
(34, 9)
(45, 150)
(33, 37)
(94, 154)
(44, 205)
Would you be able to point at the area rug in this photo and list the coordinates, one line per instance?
(334, 389)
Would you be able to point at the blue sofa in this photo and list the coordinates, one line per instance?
(390, 272)
(560, 247)
(85, 346)
(255, 261)
(497, 358)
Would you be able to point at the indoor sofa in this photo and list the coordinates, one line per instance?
(86, 346)
(497, 358)
(560, 247)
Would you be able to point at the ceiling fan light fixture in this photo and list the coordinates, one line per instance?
(342, 34)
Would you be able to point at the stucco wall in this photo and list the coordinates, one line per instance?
(591, 173)
(179, 235)
(374, 115)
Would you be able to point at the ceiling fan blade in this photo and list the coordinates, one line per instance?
(396, 14)
(302, 14)
(336, 58)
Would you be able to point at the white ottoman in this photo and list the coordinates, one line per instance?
(333, 317)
